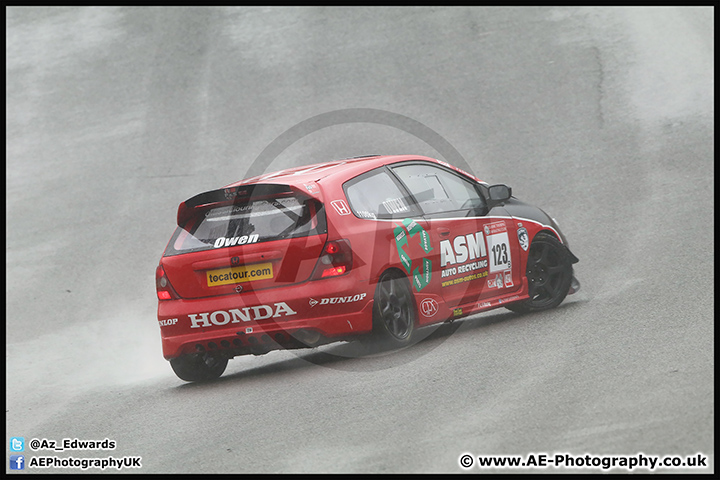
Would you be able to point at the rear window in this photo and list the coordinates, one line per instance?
(256, 221)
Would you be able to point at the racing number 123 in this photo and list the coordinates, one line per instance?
(498, 246)
(500, 253)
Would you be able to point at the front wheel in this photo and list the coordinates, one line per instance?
(198, 367)
(549, 273)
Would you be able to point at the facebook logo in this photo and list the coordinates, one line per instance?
(17, 444)
(17, 462)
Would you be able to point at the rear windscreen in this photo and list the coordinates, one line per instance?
(253, 222)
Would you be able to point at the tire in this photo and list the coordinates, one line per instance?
(198, 367)
(549, 273)
(394, 314)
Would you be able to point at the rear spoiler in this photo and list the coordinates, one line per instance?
(231, 196)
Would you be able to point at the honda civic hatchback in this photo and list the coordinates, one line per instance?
(365, 248)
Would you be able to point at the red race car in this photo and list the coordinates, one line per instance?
(372, 247)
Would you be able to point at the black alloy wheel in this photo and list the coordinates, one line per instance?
(549, 273)
(394, 310)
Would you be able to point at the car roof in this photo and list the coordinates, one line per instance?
(301, 178)
(339, 170)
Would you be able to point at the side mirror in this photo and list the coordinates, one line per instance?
(499, 193)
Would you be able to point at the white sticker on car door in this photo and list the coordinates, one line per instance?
(498, 246)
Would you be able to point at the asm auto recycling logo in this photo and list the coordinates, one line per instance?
(420, 275)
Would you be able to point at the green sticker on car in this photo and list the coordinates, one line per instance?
(411, 228)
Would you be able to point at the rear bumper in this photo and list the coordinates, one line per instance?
(298, 316)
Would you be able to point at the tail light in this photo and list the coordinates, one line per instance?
(335, 260)
(162, 284)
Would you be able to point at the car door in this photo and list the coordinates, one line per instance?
(390, 230)
(474, 256)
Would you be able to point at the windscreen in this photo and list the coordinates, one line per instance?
(256, 221)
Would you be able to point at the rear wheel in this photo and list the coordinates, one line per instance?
(394, 310)
(549, 273)
(198, 367)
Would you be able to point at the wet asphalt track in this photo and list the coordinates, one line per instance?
(604, 117)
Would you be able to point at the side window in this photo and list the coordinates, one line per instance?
(437, 190)
(376, 195)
